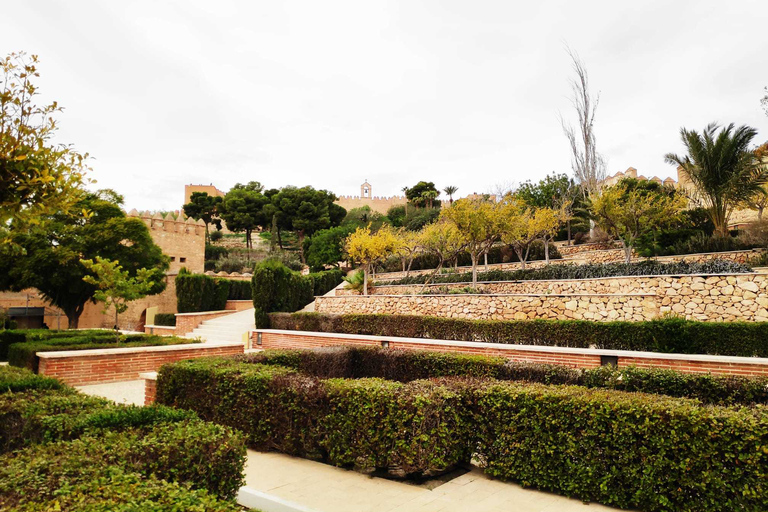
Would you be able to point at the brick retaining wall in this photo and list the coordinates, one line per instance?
(187, 322)
(573, 357)
(78, 367)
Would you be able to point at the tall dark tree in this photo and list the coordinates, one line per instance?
(306, 210)
(205, 207)
(722, 167)
(423, 194)
(243, 210)
(94, 226)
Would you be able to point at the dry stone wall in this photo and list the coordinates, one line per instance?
(725, 297)
(499, 307)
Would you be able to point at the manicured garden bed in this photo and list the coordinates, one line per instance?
(21, 347)
(61, 450)
(586, 271)
(419, 414)
(668, 335)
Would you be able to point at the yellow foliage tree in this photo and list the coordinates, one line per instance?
(410, 243)
(479, 225)
(369, 248)
(443, 239)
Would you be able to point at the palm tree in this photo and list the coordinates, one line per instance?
(450, 190)
(722, 168)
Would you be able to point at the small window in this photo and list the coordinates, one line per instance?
(173, 258)
(182, 260)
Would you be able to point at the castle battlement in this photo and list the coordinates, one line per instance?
(172, 222)
(631, 172)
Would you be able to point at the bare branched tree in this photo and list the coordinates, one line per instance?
(588, 165)
(764, 101)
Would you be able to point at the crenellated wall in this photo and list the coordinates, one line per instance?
(182, 239)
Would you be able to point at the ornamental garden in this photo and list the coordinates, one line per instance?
(602, 339)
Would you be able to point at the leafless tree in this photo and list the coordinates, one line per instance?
(764, 101)
(588, 165)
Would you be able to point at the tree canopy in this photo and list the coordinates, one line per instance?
(205, 207)
(37, 177)
(368, 248)
(306, 211)
(424, 195)
(243, 210)
(93, 226)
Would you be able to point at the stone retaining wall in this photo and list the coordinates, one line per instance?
(597, 307)
(566, 250)
(726, 297)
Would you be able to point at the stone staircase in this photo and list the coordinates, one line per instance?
(226, 328)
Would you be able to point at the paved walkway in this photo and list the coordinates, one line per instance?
(324, 488)
(126, 392)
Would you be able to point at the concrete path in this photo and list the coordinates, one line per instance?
(126, 392)
(323, 488)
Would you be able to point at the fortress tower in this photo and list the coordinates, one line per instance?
(366, 198)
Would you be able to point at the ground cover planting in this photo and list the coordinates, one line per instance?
(21, 348)
(584, 271)
(666, 335)
(61, 450)
(574, 432)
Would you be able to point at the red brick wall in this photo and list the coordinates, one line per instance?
(187, 322)
(567, 357)
(238, 305)
(150, 391)
(113, 365)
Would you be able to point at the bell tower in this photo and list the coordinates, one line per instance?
(366, 191)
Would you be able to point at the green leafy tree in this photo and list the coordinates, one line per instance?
(37, 176)
(306, 211)
(326, 247)
(423, 194)
(93, 226)
(559, 192)
(723, 169)
(633, 208)
(205, 207)
(449, 191)
(115, 287)
(243, 210)
(397, 214)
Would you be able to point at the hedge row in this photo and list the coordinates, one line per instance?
(165, 319)
(9, 337)
(61, 450)
(666, 335)
(629, 450)
(199, 292)
(410, 365)
(278, 288)
(586, 271)
(24, 354)
(411, 429)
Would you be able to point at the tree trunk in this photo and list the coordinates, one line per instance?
(301, 246)
(474, 269)
(546, 249)
(431, 276)
(410, 264)
(760, 213)
(485, 258)
(365, 280)
(117, 327)
(627, 252)
(279, 239)
(73, 315)
(569, 231)
(520, 256)
(402, 260)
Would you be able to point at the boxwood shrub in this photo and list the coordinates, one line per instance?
(165, 319)
(13, 379)
(666, 335)
(407, 429)
(631, 450)
(586, 271)
(24, 355)
(9, 337)
(409, 365)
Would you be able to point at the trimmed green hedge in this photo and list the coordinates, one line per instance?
(410, 365)
(627, 450)
(15, 379)
(24, 355)
(631, 450)
(9, 337)
(417, 428)
(239, 290)
(165, 319)
(199, 292)
(278, 288)
(666, 335)
(586, 271)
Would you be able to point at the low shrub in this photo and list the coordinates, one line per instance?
(417, 428)
(240, 290)
(631, 450)
(13, 379)
(165, 319)
(199, 454)
(114, 489)
(325, 281)
(215, 252)
(627, 450)
(24, 355)
(410, 365)
(587, 271)
(9, 337)
(666, 335)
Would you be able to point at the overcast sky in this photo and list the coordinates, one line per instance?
(329, 93)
